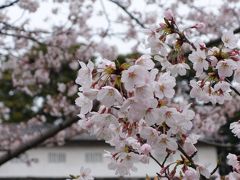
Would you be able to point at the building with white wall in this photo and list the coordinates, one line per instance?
(59, 162)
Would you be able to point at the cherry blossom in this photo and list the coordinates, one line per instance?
(145, 60)
(109, 96)
(164, 86)
(235, 127)
(191, 174)
(229, 39)
(85, 174)
(198, 58)
(138, 112)
(135, 76)
(225, 68)
(85, 103)
(85, 74)
(234, 162)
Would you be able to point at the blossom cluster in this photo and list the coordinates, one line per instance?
(137, 113)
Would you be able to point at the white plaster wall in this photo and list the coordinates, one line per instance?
(75, 158)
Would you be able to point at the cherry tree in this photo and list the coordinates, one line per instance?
(138, 114)
(40, 64)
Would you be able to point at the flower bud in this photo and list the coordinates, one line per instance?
(199, 26)
(168, 14)
(145, 149)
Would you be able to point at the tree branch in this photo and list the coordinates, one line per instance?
(190, 160)
(42, 137)
(187, 156)
(36, 141)
(21, 36)
(8, 5)
(156, 160)
(128, 13)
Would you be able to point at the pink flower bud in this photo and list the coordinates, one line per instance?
(202, 46)
(199, 26)
(145, 149)
(168, 14)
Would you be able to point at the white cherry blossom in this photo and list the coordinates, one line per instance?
(101, 125)
(84, 77)
(191, 174)
(235, 127)
(179, 68)
(188, 145)
(165, 142)
(144, 92)
(169, 116)
(152, 113)
(225, 68)
(145, 149)
(229, 39)
(198, 58)
(233, 161)
(84, 103)
(145, 61)
(135, 76)
(109, 96)
(203, 171)
(164, 86)
(85, 174)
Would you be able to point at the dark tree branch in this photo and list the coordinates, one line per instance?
(235, 90)
(165, 159)
(9, 5)
(232, 88)
(36, 141)
(11, 27)
(190, 160)
(187, 156)
(156, 160)
(215, 169)
(128, 13)
(41, 138)
(21, 36)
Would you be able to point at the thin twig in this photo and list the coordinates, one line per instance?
(128, 13)
(165, 159)
(8, 5)
(215, 169)
(232, 88)
(190, 160)
(9, 26)
(21, 36)
(187, 156)
(107, 18)
(156, 160)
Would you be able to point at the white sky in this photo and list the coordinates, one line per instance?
(37, 19)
